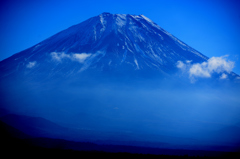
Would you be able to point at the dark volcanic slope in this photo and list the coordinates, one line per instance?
(34, 126)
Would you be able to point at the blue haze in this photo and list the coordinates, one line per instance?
(191, 117)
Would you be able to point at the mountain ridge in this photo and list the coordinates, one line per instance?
(107, 42)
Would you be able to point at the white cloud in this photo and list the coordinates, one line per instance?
(59, 56)
(80, 57)
(220, 64)
(31, 64)
(206, 69)
(223, 76)
(181, 65)
(199, 70)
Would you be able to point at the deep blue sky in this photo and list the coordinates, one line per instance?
(209, 26)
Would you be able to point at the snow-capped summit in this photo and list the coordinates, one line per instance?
(109, 43)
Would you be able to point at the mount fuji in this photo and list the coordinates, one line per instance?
(116, 79)
(111, 43)
(107, 44)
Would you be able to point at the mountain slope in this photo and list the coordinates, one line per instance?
(109, 43)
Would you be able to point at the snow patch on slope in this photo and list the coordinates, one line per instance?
(150, 21)
(103, 22)
(124, 56)
(121, 20)
(136, 62)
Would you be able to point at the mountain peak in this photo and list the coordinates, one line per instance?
(116, 42)
(106, 14)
